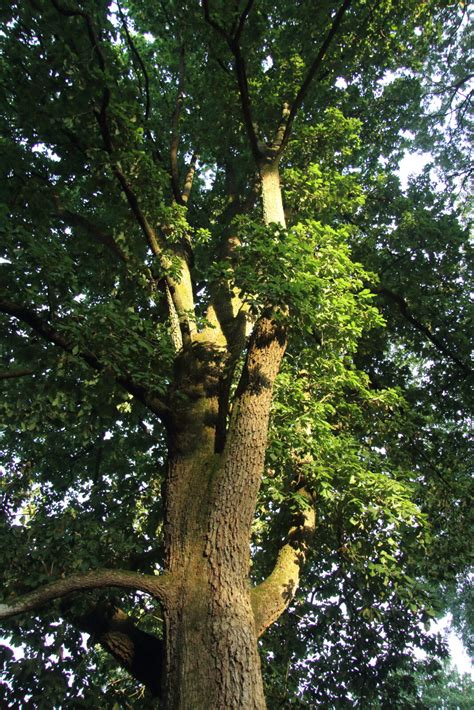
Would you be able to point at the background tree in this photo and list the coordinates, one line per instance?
(233, 349)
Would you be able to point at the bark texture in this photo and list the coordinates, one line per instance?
(212, 658)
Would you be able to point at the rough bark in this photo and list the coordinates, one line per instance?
(272, 203)
(211, 639)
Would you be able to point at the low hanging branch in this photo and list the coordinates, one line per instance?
(160, 588)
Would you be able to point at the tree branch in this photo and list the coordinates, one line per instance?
(140, 62)
(140, 653)
(303, 90)
(46, 331)
(66, 12)
(132, 262)
(175, 130)
(271, 597)
(242, 20)
(238, 479)
(10, 374)
(76, 220)
(215, 25)
(189, 179)
(241, 71)
(234, 45)
(158, 587)
(180, 288)
(434, 339)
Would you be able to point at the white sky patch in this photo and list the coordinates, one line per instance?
(44, 150)
(412, 165)
(341, 83)
(457, 653)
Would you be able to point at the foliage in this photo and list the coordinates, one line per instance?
(370, 408)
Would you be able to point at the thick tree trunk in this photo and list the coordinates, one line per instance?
(212, 658)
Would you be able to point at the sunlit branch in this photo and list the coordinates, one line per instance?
(271, 597)
(159, 587)
(189, 179)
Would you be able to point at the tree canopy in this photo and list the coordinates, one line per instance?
(154, 288)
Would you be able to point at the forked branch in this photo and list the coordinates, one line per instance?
(233, 41)
(304, 88)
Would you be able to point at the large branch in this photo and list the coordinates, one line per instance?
(238, 480)
(158, 587)
(139, 652)
(52, 335)
(271, 597)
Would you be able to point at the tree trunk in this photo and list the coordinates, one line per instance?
(212, 658)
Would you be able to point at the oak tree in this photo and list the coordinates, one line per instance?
(235, 352)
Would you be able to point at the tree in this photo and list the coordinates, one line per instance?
(438, 687)
(234, 350)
